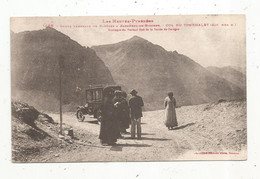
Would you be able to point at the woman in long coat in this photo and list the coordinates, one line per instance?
(108, 130)
(170, 113)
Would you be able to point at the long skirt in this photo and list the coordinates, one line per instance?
(170, 116)
(125, 120)
(108, 131)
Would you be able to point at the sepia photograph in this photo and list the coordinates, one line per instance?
(128, 88)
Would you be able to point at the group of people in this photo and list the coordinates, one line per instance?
(118, 115)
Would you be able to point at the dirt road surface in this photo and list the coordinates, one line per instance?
(208, 132)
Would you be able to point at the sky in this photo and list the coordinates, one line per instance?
(210, 40)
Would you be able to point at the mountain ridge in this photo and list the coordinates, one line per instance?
(231, 74)
(35, 67)
(151, 69)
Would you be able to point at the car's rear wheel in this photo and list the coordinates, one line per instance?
(80, 116)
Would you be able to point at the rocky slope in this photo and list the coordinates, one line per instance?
(36, 134)
(153, 71)
(35, 68)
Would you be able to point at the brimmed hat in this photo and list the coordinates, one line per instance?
(133, 92)
(170, 94)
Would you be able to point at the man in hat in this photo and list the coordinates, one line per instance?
(135, 103)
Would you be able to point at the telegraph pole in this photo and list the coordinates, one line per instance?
(61, 65)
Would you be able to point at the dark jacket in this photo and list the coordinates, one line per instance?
(136, 103)
(108, 128)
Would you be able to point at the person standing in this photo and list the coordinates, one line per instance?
(122, 111)
(170, 113)
(135, 103)
(108, 129)
(118, 101)
(126, 121)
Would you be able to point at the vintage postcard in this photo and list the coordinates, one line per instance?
(128, 88)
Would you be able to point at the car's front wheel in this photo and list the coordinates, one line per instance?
(80, 116)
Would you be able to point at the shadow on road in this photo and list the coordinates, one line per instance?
(152, 138)
(91, 122)
(148, 138)
(132, 145)
(183, 126)
(116, 148)
(128, 133)
(148, 134)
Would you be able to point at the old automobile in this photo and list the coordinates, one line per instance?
(94, 99)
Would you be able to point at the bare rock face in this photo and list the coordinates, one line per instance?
(24, 112)
(28, 114)
(35, 68)
(45, 118)
(153, 71)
